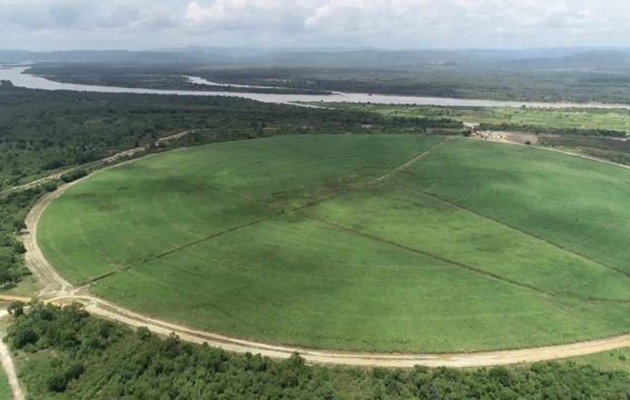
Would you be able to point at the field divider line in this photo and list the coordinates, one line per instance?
(96, 279)
(437, 257)
(408, 163)
(621, 272)
(313, 203)
(469, 267)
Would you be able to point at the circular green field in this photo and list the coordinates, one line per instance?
(340, 242)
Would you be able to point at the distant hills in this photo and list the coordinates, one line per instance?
(337, 58)
(106, 56)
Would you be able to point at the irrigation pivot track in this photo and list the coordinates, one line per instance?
(59, 291)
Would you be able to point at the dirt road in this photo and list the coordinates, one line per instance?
(60, 291)
(110, 311)
(34, 258)
(9, 367)
(504, 137)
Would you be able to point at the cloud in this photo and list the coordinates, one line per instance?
(74, 14)
(248, 15)
(118, 15)
(307, 15)
(385, 23)
(388, 17)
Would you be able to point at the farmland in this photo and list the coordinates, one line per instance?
(296, 240)
(613, 119)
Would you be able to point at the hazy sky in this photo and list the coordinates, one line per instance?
(138, 24)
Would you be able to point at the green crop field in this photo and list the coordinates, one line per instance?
(295, 240)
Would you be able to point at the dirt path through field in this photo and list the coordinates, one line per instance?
(409, 163)
(59, 291)
(9, 367)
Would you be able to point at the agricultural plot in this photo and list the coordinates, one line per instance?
(297, 240)
(614, 119)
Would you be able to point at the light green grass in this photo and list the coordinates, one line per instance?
(407, 217)
(28, 286)
(289, 240)
(615, 360)
(579, 205)
(299, 282)
(140, 210)
(5, 388)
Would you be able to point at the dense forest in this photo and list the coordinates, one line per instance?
(44, 133)
(66, 354)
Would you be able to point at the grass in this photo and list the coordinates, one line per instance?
(615, 360)
(613, 119)
(5, 388)
(29, 286)
(291, 240)
(204, 191)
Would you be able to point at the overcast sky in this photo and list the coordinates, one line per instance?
(148, 24)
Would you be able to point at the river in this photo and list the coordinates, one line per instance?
(17, 76)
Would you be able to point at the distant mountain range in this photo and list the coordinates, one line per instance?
(335, 58)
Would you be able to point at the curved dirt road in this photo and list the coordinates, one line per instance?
(108, 160)
(59, 291)
(110, 311)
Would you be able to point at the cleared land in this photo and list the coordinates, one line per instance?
(292, 240)
(614, 119)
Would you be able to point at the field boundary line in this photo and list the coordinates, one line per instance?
(467, 267)
(92, 281)
(531, 235)
(409, 163)
(310, 204)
